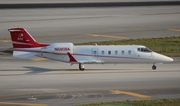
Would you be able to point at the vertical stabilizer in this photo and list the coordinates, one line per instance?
(24, 45)
(22, 39)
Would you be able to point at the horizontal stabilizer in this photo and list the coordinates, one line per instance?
(22, 54)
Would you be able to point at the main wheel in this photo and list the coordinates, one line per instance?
(81, 67)
(154, 67)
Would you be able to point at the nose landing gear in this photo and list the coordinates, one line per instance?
(154, 67)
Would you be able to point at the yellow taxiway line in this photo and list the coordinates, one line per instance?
(174, 29)
(106, 36)
(40, 59)
(130, 93)
(21, 104)
(1, 40)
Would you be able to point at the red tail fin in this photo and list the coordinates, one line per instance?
(22, 39)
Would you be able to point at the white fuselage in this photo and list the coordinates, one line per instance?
(106, 54)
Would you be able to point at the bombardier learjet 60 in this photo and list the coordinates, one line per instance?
(24, 46)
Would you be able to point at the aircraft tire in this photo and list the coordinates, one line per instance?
(154, 67)
(82, 69)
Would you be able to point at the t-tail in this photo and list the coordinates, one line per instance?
(24, 45)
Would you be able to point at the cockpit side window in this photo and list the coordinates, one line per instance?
(144, 50)
(139, 49)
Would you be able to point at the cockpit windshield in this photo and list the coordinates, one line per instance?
(143, 49)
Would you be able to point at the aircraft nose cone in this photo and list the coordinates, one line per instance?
(171, 59)
(162, 58)
(168, 59)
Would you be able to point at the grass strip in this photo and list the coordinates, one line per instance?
(169, 46)
(160, 102)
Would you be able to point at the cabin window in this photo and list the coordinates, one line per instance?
(109, 52)
(129, 52)
(116, 52)
(122, 52)
(95, 52)
(102, 52)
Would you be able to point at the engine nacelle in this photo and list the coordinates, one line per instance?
(60, 48)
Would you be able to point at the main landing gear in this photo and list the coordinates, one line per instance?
(81, 67)
(154, 67)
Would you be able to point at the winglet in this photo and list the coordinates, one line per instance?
(71, 58)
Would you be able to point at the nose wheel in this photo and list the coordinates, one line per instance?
(81, 67)
(154, 67)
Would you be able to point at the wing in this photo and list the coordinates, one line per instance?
(73, 60)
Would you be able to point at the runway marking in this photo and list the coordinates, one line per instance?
(5, 40)
(174, 29)
(48, 93)
(88, 91)
(130, 93)
(106, 36)
(21, 104)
